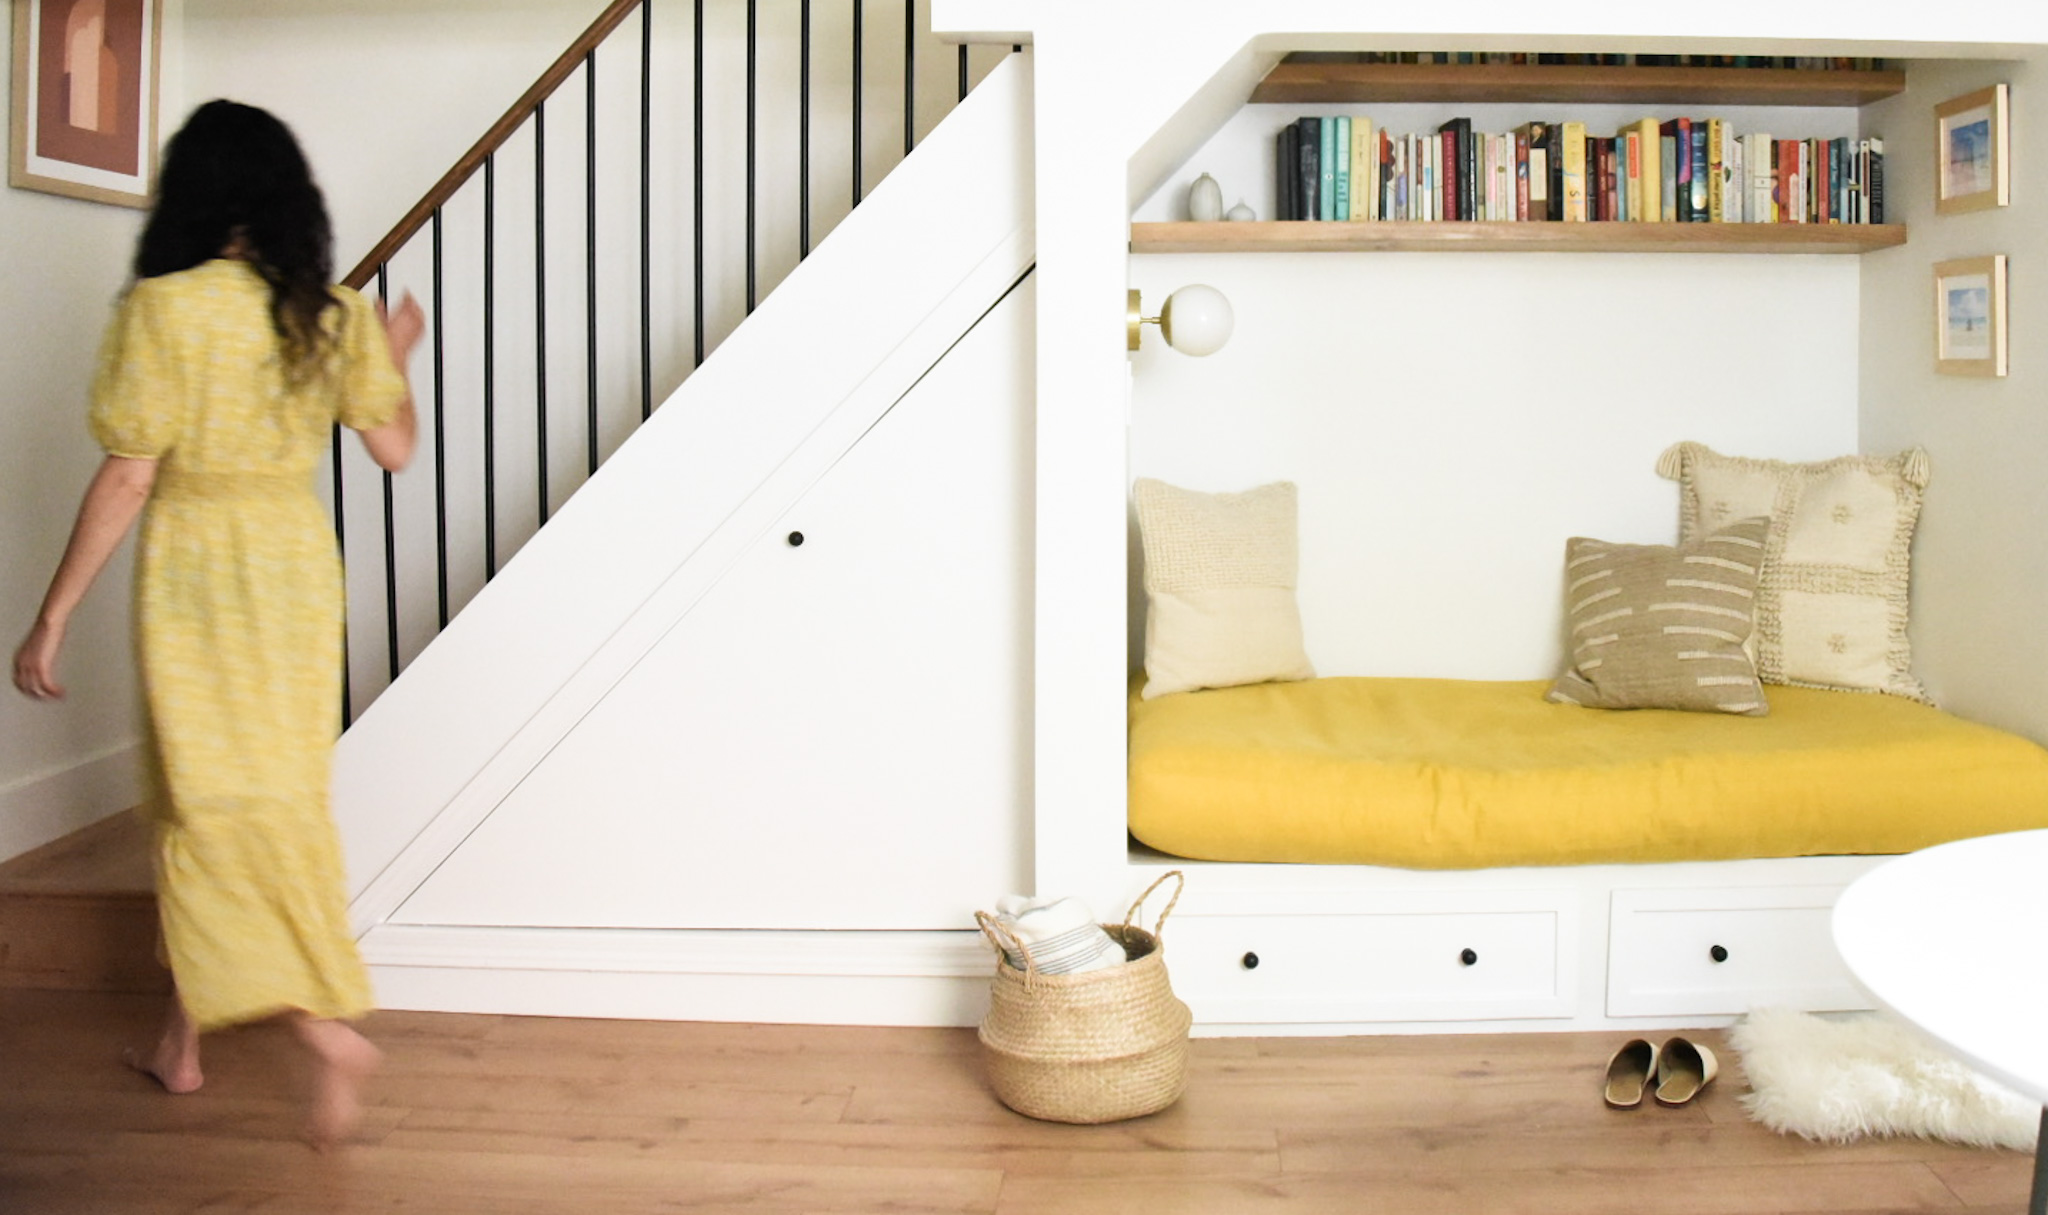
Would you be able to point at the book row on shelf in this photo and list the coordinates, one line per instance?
(1679, 170)
(1810, 63)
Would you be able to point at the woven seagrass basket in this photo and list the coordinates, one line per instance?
(1100, 1046)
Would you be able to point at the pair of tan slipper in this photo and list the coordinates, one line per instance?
(1679, 1069)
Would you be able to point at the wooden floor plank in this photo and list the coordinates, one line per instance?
(531, 1116)
(1649, 1190)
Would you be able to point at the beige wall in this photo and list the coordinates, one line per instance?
(1981, 564)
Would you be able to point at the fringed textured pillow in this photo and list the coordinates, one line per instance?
(1832, 604)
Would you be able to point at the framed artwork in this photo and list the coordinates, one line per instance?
(84, 114)
(1970, 150)
(1969, 316)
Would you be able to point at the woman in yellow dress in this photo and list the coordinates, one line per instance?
(221, 377)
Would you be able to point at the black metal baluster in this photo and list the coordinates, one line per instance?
(590, 260)
(909, 75)
(803, 138)
(753, 58)
(348, 716)
(440, 439)
(490, 369)
(540, 302)
(963, 71)
(646, 209)
(390, 526)
(857, 18)
(697, 206)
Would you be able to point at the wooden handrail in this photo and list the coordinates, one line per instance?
(492, 140)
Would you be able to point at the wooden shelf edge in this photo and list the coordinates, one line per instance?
(1449, 237)
(1312, 83)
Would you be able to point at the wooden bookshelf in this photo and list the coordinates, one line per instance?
(1454, 237)
(1313, 83)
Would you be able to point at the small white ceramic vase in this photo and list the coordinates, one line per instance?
(1205, 200)
(1242, 213)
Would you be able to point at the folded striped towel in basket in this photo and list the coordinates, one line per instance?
(1061, 934)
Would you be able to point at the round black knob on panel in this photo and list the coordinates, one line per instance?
(795, 539)
(1719, 953)
(1250, 961)
(1467, 957)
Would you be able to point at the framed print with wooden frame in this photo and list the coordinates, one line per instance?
(1969, 316)
(1971, 148)
(84, 114)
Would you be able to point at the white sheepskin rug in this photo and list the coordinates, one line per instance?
(1839, 1079)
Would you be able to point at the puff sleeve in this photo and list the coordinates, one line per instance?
(139, 397)
(370, 386)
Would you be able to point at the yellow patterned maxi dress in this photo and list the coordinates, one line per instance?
(238, 617)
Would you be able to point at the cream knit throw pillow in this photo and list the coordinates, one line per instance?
(1832, 603)
(1219, 587)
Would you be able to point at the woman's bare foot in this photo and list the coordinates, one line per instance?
(175, 1061)
(343, 1060)
(176, 1075)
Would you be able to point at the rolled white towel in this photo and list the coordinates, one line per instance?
(1061, 934)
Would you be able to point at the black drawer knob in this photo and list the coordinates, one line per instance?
(795, 539)
(1250, 961)
(1467, 957)
(1719, 953)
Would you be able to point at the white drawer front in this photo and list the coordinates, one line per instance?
(1720, 952)
(1376, 967)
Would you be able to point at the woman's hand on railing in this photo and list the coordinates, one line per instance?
(403, 329)
(391, 445)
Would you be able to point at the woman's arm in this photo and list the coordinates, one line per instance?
(112, 502)
(391, 445)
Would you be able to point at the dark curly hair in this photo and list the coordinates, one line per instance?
(234, 174)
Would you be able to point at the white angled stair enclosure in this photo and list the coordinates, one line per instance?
(742, 733)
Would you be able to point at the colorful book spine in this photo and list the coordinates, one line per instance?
(1734, 188)
(1840, 177)
(1679, 131)
(1521, 176)
(1648, 177)
(1702, 174)
(1573, 139)
(1310, 167)
(1340, 208)
(1365, 169)
(1287, 173)
(1667, 184)
(1326, 167)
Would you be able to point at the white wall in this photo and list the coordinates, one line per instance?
(66, 764)
(1452, 419)
(1980, 567)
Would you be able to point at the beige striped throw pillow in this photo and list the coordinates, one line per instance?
(1658, 627)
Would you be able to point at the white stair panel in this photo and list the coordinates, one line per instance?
(497, 783)
(836, 734)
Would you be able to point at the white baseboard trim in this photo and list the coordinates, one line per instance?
(52, 805)
(796, 978)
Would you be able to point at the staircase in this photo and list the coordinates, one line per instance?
(539, 630)
(78, 914)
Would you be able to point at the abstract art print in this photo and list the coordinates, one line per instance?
(1969, 316)
(1971, 148)
(84, 109)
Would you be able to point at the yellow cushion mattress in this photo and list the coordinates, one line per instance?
(1459, 774)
